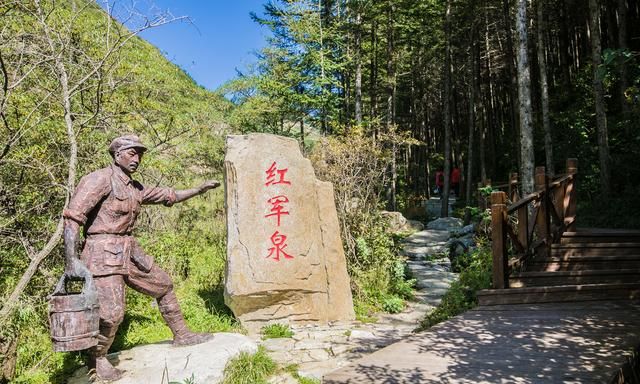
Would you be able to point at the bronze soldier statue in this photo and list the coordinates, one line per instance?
(106, 203)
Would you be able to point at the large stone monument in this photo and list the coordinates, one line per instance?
(285, 261)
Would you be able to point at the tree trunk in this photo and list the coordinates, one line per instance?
(598, 92)
(513, 74)
(524, 97)
(544, 90)
(302, 146)
(373, 94)
(564, 46)
(66, 96)
(472, 112)
(358, 57)
(391, 95)
(446, 100)
(489, 106)
(624, 76)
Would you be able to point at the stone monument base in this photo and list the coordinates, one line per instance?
(163, 363)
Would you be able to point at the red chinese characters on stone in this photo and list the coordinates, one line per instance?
(279, 244)
(276, 207)
(271, 175)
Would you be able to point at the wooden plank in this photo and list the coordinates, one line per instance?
(571, 196)
(627, 291)
(498, 240)
(555, 278)
(584, 263)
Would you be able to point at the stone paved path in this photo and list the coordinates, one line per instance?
(317, 350)
(584, 342)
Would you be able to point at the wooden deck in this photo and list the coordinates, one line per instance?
(584, 342)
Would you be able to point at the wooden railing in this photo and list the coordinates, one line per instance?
(510, 187)
(529, 225)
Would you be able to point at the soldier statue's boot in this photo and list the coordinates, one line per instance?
(182, 335)
(98, 356)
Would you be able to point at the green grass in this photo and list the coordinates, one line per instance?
(276, 331)
(250, 368)
(293, 371)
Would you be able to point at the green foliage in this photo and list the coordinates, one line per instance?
(249, 368)
(462, 294)
(276, 331)
(137, 90)
(355, 166)
(190, 380)
(292, 369)
(393, 304)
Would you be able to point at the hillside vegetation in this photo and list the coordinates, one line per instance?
(72, 79)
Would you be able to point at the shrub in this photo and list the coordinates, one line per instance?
(393, 304)
(356, 166)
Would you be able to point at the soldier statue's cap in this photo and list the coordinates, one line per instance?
(125, 142)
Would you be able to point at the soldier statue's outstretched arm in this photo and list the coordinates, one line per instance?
(186, 194)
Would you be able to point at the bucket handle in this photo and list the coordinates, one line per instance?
(88, 290)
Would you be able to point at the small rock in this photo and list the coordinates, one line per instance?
(445, 224)
(398, 223)
(361, 335)
(416, 225)
(466, 230)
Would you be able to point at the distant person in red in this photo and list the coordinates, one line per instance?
(455, 181)
(439, 181)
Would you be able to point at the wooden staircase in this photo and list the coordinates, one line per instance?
(585, 265)
(553, 261)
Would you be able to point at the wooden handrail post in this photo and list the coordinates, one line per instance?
(513, 187)
(570, 198)
(499, 240)
(572, 165)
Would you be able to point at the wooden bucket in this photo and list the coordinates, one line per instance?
(73, 317)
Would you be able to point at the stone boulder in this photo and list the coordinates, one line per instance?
(398, 223)
(285, 261)
(464, 231)
(445, 224)
(164, 363)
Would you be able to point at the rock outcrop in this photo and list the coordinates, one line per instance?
(398, 223)
(285, 261)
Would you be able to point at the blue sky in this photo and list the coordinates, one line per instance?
(220, 38)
